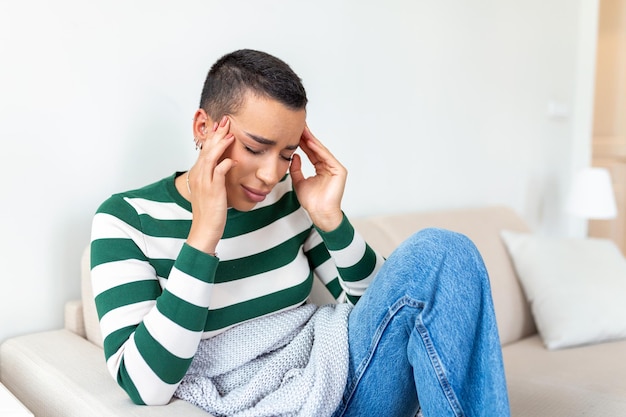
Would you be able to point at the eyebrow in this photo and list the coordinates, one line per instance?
(265, 141)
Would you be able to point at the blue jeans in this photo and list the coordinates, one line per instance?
(424, 335)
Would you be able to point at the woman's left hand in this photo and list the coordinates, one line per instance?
(321, 194)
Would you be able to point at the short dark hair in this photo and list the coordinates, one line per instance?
(246, 70)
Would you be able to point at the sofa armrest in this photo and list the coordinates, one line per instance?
(60, 374)
(74, 321)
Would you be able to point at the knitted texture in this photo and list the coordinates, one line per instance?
(292, 363)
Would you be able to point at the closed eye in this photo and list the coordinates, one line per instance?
(252, 151)
(255, 152)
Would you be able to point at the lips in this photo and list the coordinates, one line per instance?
(254, 195)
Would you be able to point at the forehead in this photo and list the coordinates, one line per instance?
(270, 119)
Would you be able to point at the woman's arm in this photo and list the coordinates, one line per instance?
(355, 263)
(150, 334)
(343, 261)
(320, 194)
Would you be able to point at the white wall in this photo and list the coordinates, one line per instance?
(429, 104)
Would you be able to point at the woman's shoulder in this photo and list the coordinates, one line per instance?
(159, 191)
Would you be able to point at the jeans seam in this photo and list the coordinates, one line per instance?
(430, 350)
(358, 373)
(438, 367)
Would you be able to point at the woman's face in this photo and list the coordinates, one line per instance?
(266, 135)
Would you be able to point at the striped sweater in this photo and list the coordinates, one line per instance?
(157, 297)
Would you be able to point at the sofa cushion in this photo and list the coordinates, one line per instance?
(582, 381)
(575, 287)
(58, 373)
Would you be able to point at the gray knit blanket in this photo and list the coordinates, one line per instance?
(292, 363)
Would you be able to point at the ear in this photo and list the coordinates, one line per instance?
(202, 126)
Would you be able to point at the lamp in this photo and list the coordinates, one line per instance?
(592, 196)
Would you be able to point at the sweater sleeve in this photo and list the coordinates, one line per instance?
(344, 262)
(150, 333)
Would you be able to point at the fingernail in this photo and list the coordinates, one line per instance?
(224, 120)
(215, 125)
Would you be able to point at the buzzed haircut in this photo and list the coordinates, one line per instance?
(247, 70)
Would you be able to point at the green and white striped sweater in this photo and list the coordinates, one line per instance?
(157, 297)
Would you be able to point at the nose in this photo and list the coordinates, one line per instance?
(270, 172)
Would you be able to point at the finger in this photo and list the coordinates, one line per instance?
(309, 137)
(205, 172)
(315, 145)
(318, 148)
(307, 133)
(321, 157)
(220, 130)
(295, 169)
(223, 167)
(311, 154)
(213, 155)
(215, 150)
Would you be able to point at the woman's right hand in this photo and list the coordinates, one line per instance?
(207, 183)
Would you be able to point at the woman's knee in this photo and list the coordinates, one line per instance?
(441, 241)
(443, 249)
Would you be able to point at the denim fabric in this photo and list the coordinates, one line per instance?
(424, 335)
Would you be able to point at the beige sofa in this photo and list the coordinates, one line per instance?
(62, 372)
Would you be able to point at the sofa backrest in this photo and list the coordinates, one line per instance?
(482, 225)
(384, 233)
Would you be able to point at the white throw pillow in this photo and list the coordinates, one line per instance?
(576, 287)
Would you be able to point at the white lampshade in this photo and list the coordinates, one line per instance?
(592, 195)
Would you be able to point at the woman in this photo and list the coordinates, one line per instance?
(200, 279)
